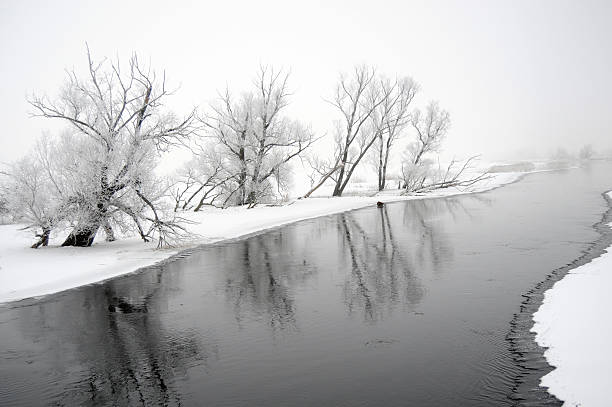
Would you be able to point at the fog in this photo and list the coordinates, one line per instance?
(520, 78)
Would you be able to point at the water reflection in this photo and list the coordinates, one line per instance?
(342, 309)
(260, 277)
(426, 219)
(382, 261)
(129, 341)
(387, 259)
(113, 336)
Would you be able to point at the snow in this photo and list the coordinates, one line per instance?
(572, 324)
(26, 272)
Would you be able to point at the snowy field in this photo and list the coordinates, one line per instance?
(574, 325)
(26, 272)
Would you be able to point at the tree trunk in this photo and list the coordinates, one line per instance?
(338, 189)
(242, 194)
(86, 228)
(251, 199)
(329, 174)
(84, 232)
(82, 236)
(43, 239)
(383, 177)
(108, 230)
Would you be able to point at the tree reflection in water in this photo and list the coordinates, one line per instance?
(210, 328)
(381, 275)
(261, 273)
(388, 260)
(129, 341)
(113, 333)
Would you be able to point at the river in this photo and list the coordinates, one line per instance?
(409, 304)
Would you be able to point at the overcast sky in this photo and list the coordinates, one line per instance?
(515, 75)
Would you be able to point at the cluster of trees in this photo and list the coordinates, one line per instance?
(99, 173)
(586, 152)
(375, 113)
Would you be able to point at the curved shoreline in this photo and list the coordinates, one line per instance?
(528, 356)
(105, 261)
(527, 353)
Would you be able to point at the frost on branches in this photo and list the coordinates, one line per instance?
(99, 174)
(243, 156)
(419, 174)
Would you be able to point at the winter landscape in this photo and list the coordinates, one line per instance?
(336, 204)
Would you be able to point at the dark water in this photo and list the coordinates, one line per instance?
(405, 305)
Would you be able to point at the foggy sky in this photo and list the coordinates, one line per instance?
(517, 76)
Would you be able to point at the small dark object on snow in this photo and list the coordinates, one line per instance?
(380, 204)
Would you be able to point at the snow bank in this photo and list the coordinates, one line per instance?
(573, 323)
(26, 272)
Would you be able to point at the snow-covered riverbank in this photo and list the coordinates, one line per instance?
(26, 272)
(574, 325)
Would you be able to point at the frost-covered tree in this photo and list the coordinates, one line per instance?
(421, 170)
(4, 208)
(30, 198)
(255, 138)
(431, 128)
(202, 181)
(119, 125)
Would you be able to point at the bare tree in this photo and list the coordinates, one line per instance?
(418, 170)
(373, 111)
(120, 125)
(586, 152)
(561, 154)
(431, 129)
(255, 138)
(356, 97)
(201, 181)
(322, 170)
(456, 174)
(393, 116)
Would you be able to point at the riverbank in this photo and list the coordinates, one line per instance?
(571, 325)
(26, 273)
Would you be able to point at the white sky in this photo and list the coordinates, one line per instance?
(516, 76)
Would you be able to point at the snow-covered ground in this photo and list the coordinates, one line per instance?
(26, 272)
(573, 323)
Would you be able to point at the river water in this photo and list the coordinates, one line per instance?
(409, 304)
